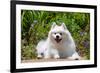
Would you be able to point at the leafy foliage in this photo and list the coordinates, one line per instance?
(36, 24)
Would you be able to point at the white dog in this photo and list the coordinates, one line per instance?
(59, 44)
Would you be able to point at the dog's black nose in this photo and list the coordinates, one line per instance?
(57, 37)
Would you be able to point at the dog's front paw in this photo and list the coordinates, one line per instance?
(74, 58)
(78, 58)
(39, 56)
(56, 56)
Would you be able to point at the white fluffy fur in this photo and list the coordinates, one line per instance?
(51, 48)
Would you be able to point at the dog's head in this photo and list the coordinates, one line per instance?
(58, 33)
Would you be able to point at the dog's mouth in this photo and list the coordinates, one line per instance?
(58, 40)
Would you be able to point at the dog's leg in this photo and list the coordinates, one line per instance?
(56, 54)
(47, 55)
(75, 56)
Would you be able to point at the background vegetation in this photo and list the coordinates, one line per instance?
(36, 24)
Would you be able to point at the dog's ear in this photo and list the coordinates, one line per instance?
(53, 25)
(63, 25)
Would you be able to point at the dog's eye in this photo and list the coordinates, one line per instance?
(54, 33)
(60, 33)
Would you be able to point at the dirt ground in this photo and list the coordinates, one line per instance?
(46, 60)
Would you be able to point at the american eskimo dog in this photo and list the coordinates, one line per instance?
(59, 44)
